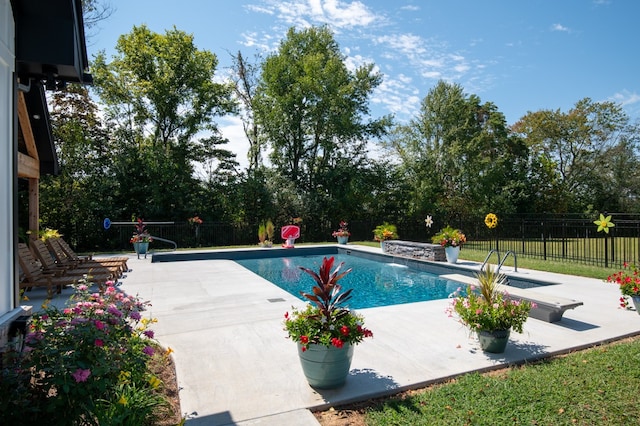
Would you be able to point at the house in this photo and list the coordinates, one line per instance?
(42, 47)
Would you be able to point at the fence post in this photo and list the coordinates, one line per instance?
(606, 250)
(544, 241)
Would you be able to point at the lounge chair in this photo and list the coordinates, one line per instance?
(32, 275)
(49, 265)
(117, 267)
(67, 254)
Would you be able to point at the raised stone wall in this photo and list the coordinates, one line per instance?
(414, 250)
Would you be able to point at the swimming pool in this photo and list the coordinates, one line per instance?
(374, 283)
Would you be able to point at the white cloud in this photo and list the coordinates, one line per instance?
(626, 98)
(560, 27)
(410, 7)
(304, 13)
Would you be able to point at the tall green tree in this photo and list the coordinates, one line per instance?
(313, 110)
(314, 115)
(580, 147)
(161, 99)
(75, 201)
(458, 157)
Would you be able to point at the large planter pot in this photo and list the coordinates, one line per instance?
(342, 240)
(141, 248)
(326, 367)
(452, 253)
(494, 341)
(636, 303)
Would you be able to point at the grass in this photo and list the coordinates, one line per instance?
(595, 386)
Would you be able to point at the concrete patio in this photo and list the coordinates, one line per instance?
(235, 366)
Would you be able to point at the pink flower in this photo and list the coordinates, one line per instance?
(99, 324)
(82, 287)
(99, 342)
(81, 375)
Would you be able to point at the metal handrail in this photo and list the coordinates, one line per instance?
(515, 261)
(175, 245)
(497, 252)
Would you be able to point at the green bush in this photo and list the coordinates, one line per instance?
(84, 364)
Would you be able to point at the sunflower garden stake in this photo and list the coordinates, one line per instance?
(491, 220)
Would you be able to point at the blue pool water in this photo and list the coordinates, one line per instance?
(374, 283)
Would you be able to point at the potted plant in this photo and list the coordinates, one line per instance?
(141, 238)
(325, 330)
(629, 281)
(265, 233)
(452, 240)
(385, 232)
(342, 234)
(489, 311)
(195, 222)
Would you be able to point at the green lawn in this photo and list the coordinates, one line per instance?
(599, 386)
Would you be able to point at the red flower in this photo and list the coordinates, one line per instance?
(337, 343)
(304, 340)
(344, 330)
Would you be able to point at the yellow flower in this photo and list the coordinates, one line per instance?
(124, 377)
(169, 351)
(491, 220)
(154, 382)
(122, 400)
(604, 223)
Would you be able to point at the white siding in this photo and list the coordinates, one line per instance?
(7, 171)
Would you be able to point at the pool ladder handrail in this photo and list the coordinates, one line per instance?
(501, 260)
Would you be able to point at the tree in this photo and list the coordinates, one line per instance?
(579, 147)
(458, 157)
(76, 201)
(160, 95)
(312, 109)
(244, 87)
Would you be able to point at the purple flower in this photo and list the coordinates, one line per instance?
(81, 375)
(148, 350)
(114, 311)
(135, 315)
(149, 334)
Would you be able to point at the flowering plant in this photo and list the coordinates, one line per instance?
(449, 237)
(141, 235)
(85, 364)
(342, 231)
(325, 321)
(629, 281)
(195, 220)
(489, 307)
(385, 232)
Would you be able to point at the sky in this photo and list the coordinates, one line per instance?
(520, 55)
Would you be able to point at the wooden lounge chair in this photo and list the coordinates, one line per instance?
(61, 258)
(67, 254)
(48, 264)
(32, 275)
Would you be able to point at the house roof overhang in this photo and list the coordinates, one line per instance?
(50, 52)
(50, 42)
(41, 128)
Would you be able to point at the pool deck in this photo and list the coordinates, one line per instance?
(235, 366)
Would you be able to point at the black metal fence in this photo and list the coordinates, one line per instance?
(571, 238)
